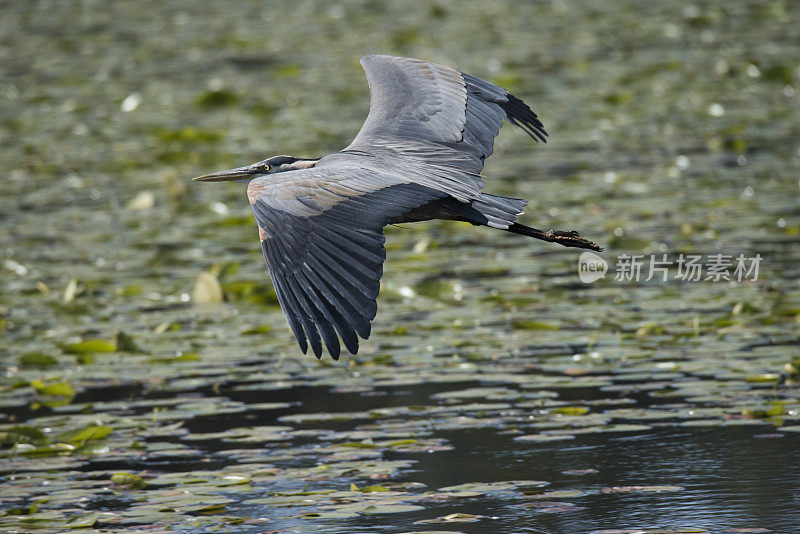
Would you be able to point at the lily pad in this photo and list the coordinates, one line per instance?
(127, 479)
(89, 346)
(37, 359)
(454, 518)
(495, 486)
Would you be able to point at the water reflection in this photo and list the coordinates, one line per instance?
(714, 478)
(730, 479)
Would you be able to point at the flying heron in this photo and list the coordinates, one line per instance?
(418, 157)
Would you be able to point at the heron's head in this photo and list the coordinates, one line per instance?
(268, 166)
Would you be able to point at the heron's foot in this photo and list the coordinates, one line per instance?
(570, 238)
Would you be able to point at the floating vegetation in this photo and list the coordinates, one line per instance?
(127, 479)
(217, 98)
(454, 518)
(37, 359)
(89, 346)
(207, 289)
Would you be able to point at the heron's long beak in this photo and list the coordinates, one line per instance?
(242, 173)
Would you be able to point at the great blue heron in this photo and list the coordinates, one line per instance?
(417, 157)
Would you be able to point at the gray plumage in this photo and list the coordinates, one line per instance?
(417, 157)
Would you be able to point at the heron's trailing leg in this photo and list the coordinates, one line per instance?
(566, 238)
(500, 209)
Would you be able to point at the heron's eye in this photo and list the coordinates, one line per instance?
(265, 167)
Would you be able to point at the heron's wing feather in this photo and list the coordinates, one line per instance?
(487, 105)
(322, 237)
(415, 101)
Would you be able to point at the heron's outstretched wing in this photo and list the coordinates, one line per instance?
(322, 235)
(415, 100)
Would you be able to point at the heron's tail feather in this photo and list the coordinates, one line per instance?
(501, 212)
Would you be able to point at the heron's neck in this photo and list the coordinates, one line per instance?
(302, 164)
